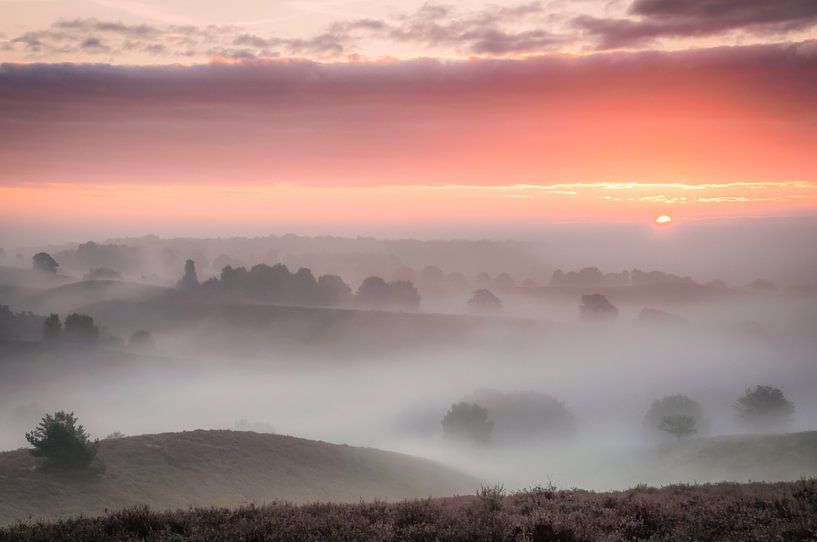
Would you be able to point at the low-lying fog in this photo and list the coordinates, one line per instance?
(607, 375)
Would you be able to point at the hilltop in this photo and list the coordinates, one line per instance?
(220, 468)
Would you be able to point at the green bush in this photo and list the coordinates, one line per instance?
(62, 442)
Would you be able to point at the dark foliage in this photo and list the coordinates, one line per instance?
(19, 325)
(764, 406)
(673, 406)
(677, 426)
(276, 284)
(43, 261)
(725, 512)
(375, 292)
(62, 442)
(596, 307)
(483, 300)
(80, 329)
(468, 422)
(189, 280)
(52, 328)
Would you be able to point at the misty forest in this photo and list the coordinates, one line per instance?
(319, 270)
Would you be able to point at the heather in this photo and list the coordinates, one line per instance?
(725, 511)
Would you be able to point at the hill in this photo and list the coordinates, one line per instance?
(219, 468)
(787, 456)
(73, 296)
(254, 331)
(726, 512)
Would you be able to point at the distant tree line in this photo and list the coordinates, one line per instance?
(276, 284)
(19, 326)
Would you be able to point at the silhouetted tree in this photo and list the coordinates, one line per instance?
(52, 328)
(19, 326)
(677, 426)
(62, 442)
(141, 339)
(304, 289)
(469, 422)
(485, 301)
(673, 406)
(376, 292)
(596, 307)
(332, 290)
(189, 280)
(80, 328)
(44, 262)
(764, 406)
(404, 294)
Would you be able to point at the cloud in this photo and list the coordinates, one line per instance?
(652, 19)
(707, 115)
(491, 31)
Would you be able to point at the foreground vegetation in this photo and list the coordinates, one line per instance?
(726, 511)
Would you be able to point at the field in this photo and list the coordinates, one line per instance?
(727, 512)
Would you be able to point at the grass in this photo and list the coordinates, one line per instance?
(222, 468)
(785, 511)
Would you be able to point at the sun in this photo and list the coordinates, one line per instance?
(663, 219)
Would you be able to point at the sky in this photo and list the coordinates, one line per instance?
(251, 116)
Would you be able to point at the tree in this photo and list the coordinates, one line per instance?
(469, 422)
(141, 339)
(332, 290)
(484, 301)
(523, 416)
(62, 442)
(44, 262)
(189, 280)
(764, 406)
(52, 328)
(80, 328)
(678, 426)
(596, 307)
(376, 292)
(673, 406)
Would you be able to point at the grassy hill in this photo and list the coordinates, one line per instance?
(219, 468)
(73, 296)
(787, 456)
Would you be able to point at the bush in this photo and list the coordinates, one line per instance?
(61, 442)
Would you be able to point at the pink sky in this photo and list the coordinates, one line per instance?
(513, 114)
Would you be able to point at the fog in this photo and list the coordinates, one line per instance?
(387, 382)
